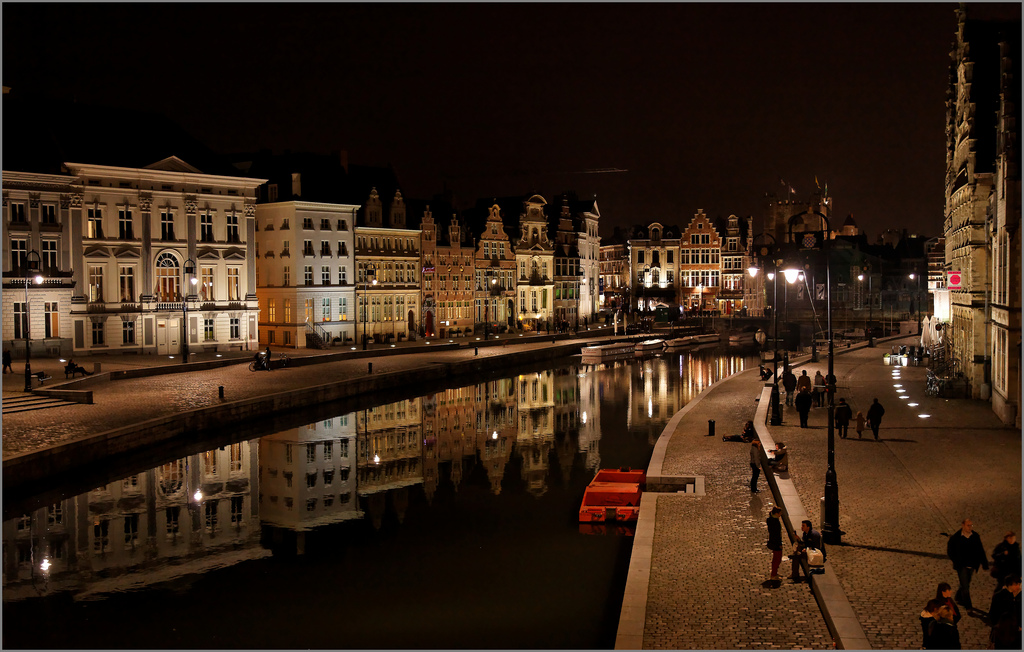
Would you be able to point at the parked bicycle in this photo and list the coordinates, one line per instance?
(259, 364)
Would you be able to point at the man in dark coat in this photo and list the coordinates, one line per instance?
(803, 405)
(1005, 616)
(943, 634)
(774, 523)
(964, 549)
(789, 383)
(1006, 558)
(875, 413)
(811, 539)
(843, 415)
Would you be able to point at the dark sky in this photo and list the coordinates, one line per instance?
(700, 106)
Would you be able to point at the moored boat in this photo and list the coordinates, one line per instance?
(690, 340)
(607, 351)
(613, 496)
(650, 346)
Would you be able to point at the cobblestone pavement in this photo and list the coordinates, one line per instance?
(900, 497)
(124, 402)
(709, 561)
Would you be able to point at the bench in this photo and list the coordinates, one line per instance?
(41, 377)
(77, 369)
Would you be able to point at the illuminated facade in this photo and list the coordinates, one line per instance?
(614, 276)
(700, 248)
(535, 255)
(495, 270)
(448, 280)
(654, 261)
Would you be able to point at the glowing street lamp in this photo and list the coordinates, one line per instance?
(189, 271)
(31, 274)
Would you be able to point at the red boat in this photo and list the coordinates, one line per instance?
(613, 496)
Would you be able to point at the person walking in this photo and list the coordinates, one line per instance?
(266, 358)
(943, 633)
(803, 405)
(7, 361)
(830, 388)
(789, 383)
(964, 549)
(1006, 558)
(875, 413)
(1005, 616)
(860, 424)
(804, 381)
(819, 389)
(843, 415)
(774, 523)
(755, 464)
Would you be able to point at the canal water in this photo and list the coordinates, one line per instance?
(447, 520)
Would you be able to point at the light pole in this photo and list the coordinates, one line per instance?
(31, 265)
(871, 306)
(189, 278)
(830, 520)
(366, 288)
(917, 299)
(776, 408)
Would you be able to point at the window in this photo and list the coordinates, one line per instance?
(124, 223)
(128, 332)
(235, 328)
(20, 320)
(669, 256)
(208, 330)
(307, 247)
(307, 275)
(325, 312)
(271, 310)
(285, 248)
(206, 227)
(328, 451)
(309, 310)
(343, 447)
(310, 453)
(272, 192)
(236, 510)
(211, 515)
(206, 291)
(19, 251)
(342, 225)
(640, 256)
(97, 334)
(234, 293)
(49, 257)
(287, 311)
(287, 276)
(168, 278)
(307, 222)
(343, 308)
(48, 214)
(233, 228)
(325, 248)
(328, 477)
(325, 275)
(96, 283)
(166, 225)
(94, 228)
(342, 249)
(52, 317)
(342, 275)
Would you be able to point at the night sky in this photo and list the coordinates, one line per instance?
(659, 110)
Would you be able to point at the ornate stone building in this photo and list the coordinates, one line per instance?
(535, 255)
(495, 270)
(448, 279)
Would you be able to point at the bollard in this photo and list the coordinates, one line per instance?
(369, 367)
(711, 427)
(220, 390)
(476, 350)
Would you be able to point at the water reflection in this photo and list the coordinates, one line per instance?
(529, 434)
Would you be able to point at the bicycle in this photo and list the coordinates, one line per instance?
(282, 361)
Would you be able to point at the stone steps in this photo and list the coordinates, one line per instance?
(32, 402)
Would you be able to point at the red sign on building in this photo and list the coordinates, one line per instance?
(953, 281)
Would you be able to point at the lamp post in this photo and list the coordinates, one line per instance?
(776, 408)
(917, 299)
(643, 287)
(31, 265)
(366, 288)
(189, 278)
(830, 520)
(871, 306)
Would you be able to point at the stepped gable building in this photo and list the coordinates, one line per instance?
(142, 235)
(738, 295)
(568, 273)
(449, 278)
(614, 270)
(584, 216)
(305, 250)
(535, 254)
(495, 270)
(982, 210)
(700, 247)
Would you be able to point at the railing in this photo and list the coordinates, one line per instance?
(318, 334)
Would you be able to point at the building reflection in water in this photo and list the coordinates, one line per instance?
(239, 502)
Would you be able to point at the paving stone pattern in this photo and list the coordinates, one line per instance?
(709, 559)
(900, 497)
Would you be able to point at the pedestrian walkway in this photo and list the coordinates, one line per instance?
(900, 498)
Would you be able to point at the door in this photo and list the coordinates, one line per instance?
(167, 342)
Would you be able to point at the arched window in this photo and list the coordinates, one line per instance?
(168, 278)
(655, 258)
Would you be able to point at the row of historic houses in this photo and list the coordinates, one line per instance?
(165, 258)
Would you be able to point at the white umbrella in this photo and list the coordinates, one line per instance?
(925, 328)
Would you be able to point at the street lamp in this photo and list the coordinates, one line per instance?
(366, 288)
(830, 520)
(189, 271)
(917, 299)
(31, 274)
(871, 306)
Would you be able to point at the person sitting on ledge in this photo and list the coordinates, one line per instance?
(71, 369)
(746, 436)
(779, 461)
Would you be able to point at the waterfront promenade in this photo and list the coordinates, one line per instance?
(706, 560)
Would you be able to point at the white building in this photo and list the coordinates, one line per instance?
(132, 254)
